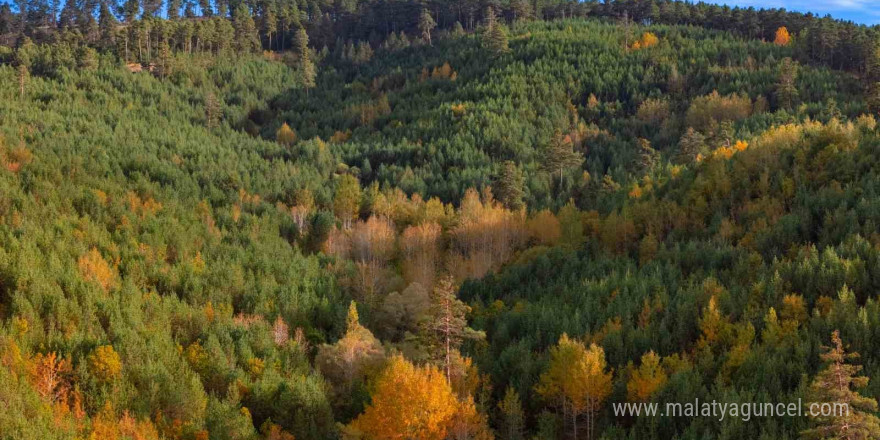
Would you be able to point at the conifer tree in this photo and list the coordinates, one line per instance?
(691, 144)
(835, 386)
(446, 326)
(306, 67)
(509, 187)
(246, 39)
(786, 87)
(426, 25)
(559, 156)
(495, 35)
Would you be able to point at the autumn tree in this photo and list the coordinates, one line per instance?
(783, 38)
(786, 87)
(647, 379)
(104, 364)
(408, 402)
(372, 246)
(577, 380)
(285, 135)
(512, 418)
(348, 362)
(426, 25)
(544, 228)
(94, 268)
(834, 387)
(509, 186)
(420, 249)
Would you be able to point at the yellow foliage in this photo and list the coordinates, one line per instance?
(94, 268)
(648, 40)
(636, 192)
(647, 379)
(576, 375)
(104, 363)
(285, 135)
(408, 402)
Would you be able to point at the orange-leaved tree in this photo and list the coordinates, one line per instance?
(408, 402)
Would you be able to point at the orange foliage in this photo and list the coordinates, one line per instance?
(408, 402)
(94, 268)
(47, 374)
(648, 40)
(106, 426)
(142, 206)
(783, 38)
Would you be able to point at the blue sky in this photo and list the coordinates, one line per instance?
(860, 11)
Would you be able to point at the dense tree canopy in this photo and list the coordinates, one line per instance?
(454, 220)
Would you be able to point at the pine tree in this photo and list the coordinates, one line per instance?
(559, 155)
(835, 386)
(246, 39)
(509, 186)
(786, 87)
(306, 67)
(691, 144)
(446, 326)
(426, 25)
(495, 35)
(212, 110)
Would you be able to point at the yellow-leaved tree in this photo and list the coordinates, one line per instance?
(408, 402)
(577, 381)
(647, 379)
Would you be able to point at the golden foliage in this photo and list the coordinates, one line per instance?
(648, 40)
(420, 249)
(647, 379)
(104, 363)
(408, 402)
(285, 135)
(94, 268)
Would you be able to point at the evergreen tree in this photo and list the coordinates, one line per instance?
(426, 25)
(306, 67)
(692, 144)
(559, 156)
(246, 39)
(835, 386)
(786, 87)
(446, 326)
(495, 34)
(509, 186)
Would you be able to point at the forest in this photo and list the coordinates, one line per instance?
(390, 219)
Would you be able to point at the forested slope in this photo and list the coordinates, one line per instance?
(429, 233)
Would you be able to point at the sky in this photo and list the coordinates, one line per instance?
(859, 11)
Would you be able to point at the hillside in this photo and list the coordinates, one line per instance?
(499, 227)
